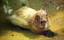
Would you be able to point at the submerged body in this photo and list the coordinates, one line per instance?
(29, 18)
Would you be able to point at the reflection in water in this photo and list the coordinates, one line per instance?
(49, 33)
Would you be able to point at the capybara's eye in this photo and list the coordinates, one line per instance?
(37, 17)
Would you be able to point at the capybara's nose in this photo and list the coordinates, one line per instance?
(43, 22)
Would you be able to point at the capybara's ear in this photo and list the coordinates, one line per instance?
(42, 12)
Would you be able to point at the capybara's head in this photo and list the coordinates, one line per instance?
(40, 21)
